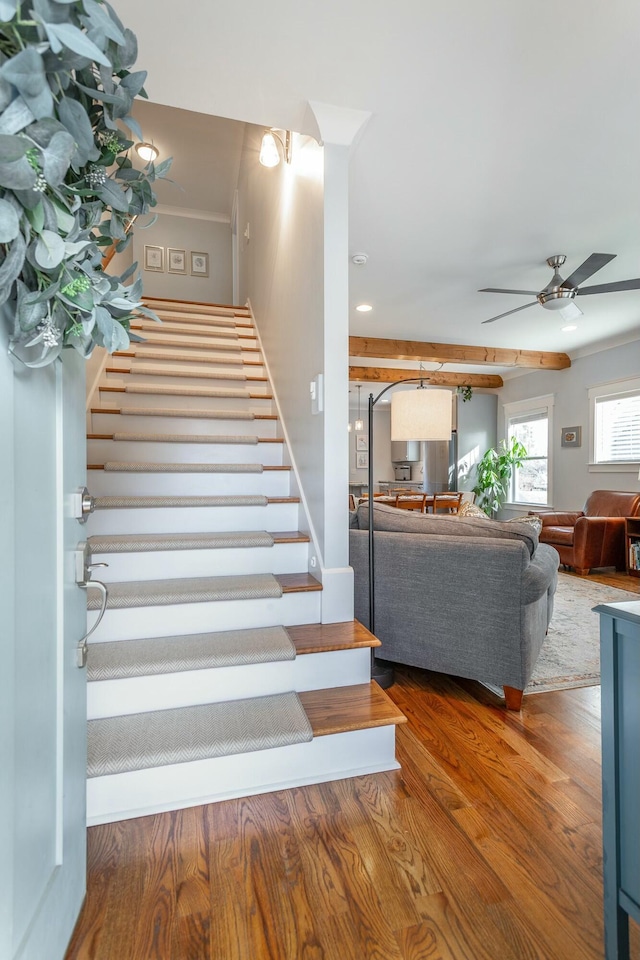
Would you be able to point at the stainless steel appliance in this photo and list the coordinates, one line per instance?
(402, 471)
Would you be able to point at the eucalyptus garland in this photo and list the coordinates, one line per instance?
(68, 188)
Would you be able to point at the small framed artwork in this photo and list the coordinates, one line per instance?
(154, 258)
(362, 460)
(362, 442)
(176, 260)
(571, 436)
(199, 264)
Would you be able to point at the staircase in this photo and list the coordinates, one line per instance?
(211, 674)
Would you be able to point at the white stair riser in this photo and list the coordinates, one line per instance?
(146, 423)
(171, 564)
(181, 402)
(170, 621)
(269, 483)
(101, 451)
(192, 373)
(275, 516)
(111, 698)
(125, 795)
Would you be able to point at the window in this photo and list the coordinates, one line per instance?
(615, 422)
(529, 421)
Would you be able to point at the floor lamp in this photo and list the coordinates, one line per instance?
(421, 414)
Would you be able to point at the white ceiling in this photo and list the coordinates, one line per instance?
(502, 132)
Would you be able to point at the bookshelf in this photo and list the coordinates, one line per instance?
(632, 544)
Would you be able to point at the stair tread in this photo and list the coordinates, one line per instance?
(167, 592)
(184, 734)
(357, 707)
(184, 438)
(124, 659)
(184, 328)
(174, 357)
(325, 637)
(147, 542)
(191, 373)
(186, 413)
(128, 466)
(224, 500)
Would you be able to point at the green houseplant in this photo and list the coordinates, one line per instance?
(67, 186)
(493, 474)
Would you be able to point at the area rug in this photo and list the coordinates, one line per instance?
(570, 655)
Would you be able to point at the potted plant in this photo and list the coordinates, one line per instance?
(493, 474)
(67, 186)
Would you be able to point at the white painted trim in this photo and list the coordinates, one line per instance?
(337, 757)
(609, 388)
(93, 394)
(533, 405)
(167, 210)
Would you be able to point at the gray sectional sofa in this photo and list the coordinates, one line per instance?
(458, 595)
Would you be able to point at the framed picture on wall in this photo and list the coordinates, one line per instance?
(362, 460)
(362, 442)
(571, 436)
(154, 258)
(199, 264)
(176, 260)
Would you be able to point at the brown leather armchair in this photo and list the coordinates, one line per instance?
(593, 537)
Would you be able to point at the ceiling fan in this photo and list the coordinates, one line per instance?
(560, 294)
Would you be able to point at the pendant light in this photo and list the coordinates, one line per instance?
(359, 424)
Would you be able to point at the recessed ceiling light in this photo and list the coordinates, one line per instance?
(569, 327)
(364, 307)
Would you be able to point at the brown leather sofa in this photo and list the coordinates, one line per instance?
(593, 537)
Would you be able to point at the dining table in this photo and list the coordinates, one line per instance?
(428, 504)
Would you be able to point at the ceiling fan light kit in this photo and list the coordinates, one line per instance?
(560, 294)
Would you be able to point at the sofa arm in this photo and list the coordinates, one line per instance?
(599, 542)
(557, 519)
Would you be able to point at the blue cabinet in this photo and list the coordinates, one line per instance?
(620, 672)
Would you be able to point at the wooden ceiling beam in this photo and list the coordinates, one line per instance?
(379, 349)
(436, 378)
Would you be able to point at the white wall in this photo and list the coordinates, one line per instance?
(293, 266)
(572, 479)
(187, 233)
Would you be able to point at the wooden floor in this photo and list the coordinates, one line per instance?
(486, 845)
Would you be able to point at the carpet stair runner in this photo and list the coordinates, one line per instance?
(210, 674)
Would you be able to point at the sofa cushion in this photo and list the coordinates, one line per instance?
(532, 519)
(404, 521)
(468, 509)
(561, 535)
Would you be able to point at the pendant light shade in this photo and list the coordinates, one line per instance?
(359, 424)
(422, 414)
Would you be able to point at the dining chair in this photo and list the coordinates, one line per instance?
(414, 501)
(450, 502)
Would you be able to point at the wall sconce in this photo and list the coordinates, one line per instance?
(269, 153)
(147, 152)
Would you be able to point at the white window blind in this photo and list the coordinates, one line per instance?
(617, 428)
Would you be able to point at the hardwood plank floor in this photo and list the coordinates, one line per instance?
(486, 844)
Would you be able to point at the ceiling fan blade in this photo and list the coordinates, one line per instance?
(590, 266)
(571, 312)
(500, 315)
(610, 287)
(525, 293)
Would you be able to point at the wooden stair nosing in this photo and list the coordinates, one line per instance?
(124, 371)
(157, 438)
(100, 466)
(182, 359)
(328, 637)
(344, 709)
(227, 347)
(197, 303)
(298, 582)
(250, 396)
(187, 414)
(206, 334)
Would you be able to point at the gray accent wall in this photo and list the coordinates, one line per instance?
(572, 478)
(187, 233)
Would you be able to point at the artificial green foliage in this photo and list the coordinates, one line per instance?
(67, 186)
(465, 392)
(493, 474)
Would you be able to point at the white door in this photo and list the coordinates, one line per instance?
(42, 691)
